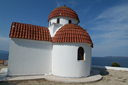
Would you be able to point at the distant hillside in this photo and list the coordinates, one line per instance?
(4, 55)
(116, 56)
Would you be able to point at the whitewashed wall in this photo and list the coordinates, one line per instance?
(54, 28)
(29, 57)
(65, 63)
(63, 20)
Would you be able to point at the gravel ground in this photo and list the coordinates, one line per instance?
(110, 77)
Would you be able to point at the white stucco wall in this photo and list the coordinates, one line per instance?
(63, 20)
(54, 28)
(65, 63)
(29, 57)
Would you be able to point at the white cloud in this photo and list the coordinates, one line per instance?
(115, 14)
(70, 3)
(4, 43)
(73, 3)
(112, 28)
(58, 4)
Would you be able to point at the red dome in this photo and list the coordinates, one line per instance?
(72, 33)
(63, 11)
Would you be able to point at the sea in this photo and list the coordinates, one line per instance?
(107, 61)
(4, 55)
(100, 61)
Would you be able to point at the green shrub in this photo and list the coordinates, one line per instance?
(115, 64)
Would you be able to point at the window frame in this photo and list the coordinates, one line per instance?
(69, 21)
(80, 51)
(58, 20)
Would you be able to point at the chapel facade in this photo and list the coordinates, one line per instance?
(62, 49)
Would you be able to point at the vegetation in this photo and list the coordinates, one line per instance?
(115, 64)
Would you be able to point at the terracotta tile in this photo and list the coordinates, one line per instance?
(27, 31)
(65, 11)
(67, 33)
(72, 33)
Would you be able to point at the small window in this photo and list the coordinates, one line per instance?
(80, 53)
(58, 20)
(69, 21)
(50, 23)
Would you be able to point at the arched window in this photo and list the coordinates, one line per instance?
(58, 20)
(69, 21)
(80, 53)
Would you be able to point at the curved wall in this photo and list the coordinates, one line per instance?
(65, 63)
(63, 20)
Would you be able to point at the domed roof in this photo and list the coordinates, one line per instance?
(72, 33)
(63, 11)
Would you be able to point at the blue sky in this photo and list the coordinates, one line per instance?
(106, 21)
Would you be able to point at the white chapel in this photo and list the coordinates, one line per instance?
(63, 49)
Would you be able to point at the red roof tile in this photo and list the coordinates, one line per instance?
(63, 11)
(72, 33)
(27, 31)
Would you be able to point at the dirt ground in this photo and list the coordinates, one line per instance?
(110, 77)
(2, 66)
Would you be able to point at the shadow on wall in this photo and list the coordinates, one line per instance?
(9, 72)
(36, 44)
(33, 44)
(76, 44)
